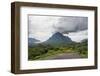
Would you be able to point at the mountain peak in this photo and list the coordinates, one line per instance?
(58, 38)
(57, 34)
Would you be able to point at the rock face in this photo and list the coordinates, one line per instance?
(57, 39)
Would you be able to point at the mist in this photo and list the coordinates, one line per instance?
(43, 27)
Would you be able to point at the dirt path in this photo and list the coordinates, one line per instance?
(67, 56)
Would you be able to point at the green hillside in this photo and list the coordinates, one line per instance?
(45, 51)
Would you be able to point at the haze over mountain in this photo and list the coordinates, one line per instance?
(76, 27)
(31, 41)
(84, 40)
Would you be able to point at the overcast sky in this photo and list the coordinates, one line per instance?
(43, 27)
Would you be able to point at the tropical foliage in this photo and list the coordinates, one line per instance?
(44, 51)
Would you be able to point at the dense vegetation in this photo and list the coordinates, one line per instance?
(44, 51)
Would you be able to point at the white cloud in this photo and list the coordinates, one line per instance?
(78, 36)
(42, 27)
(71, 24)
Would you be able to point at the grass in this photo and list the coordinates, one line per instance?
(43, 52)
(52, 53)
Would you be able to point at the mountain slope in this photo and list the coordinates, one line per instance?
(57, 39)
(31, 41)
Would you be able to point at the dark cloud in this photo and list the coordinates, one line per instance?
(71, 24)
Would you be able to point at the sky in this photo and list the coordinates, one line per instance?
(43, 27)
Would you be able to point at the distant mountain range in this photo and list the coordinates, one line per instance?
(84, 40)
(31, 41)
(55, 39)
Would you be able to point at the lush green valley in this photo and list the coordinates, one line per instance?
(44, 51)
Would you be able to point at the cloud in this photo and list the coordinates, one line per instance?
(71, 24)
(43, 27)
(78, 36)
